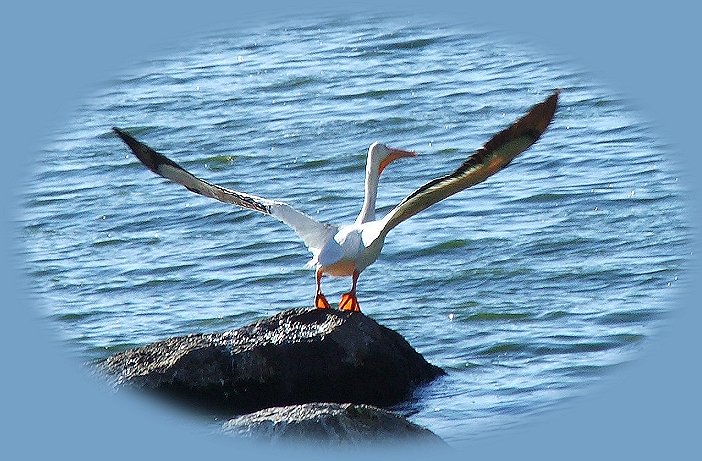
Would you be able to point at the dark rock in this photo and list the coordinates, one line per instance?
(297, 356)
(330, 424)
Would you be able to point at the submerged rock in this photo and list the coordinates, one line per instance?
(297, 356)
(329, 423)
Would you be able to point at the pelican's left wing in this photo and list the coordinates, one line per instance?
(486, 161)
(312, 232)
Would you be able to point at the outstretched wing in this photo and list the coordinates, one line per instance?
(486, 161)
(312, 232)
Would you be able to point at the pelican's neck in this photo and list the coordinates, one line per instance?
(370, 194)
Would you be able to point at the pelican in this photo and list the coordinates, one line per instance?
(345, 251)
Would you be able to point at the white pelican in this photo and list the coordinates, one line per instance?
(348, 250)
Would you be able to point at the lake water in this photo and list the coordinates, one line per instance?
(527, 289)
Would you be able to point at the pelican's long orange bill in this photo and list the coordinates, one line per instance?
(394, 155)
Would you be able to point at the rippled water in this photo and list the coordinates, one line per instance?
(527, 288)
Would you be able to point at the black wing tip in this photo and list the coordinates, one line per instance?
(124, 136)
(549, 106)
(552, 101)
(535, 122)
(532, 124)
(149, 157)
(129, 140)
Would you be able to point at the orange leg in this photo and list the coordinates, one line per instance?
(320, 302)
(348, 300)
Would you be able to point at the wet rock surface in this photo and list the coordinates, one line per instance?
(297, 356)
(330, 424)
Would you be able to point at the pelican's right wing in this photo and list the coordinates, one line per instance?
(312, 232)
(486, 161)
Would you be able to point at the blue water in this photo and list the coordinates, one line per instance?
(528, 289)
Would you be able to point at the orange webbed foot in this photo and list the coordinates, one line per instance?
(320, 302)
(349, 303)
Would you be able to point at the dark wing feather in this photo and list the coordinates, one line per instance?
(496, 154)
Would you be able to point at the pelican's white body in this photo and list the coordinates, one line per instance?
(356, 246)
(353, 248)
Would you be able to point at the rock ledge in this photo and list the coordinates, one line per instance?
(330, 424)
(297, 356)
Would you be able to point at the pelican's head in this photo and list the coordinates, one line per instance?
(380, 155)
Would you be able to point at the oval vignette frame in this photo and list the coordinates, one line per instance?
(637, 409)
